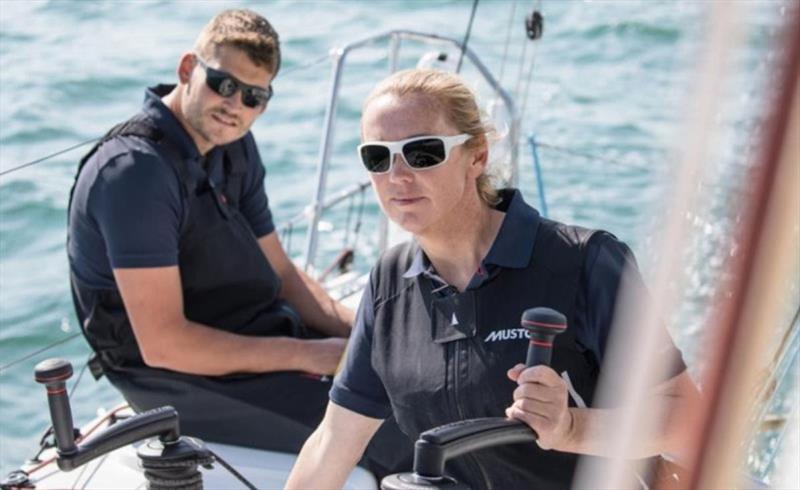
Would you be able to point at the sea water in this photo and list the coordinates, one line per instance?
(607, 99)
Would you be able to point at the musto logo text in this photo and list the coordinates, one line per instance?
(507, 334)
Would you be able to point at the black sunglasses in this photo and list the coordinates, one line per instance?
(419, 152)
(226, 85)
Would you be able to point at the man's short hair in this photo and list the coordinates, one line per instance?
(242, 29)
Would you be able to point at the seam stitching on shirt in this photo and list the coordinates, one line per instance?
(393, 296)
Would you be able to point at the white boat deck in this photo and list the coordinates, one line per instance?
(120, 469)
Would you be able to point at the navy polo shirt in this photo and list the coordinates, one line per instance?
(128, 208)
(358, 388)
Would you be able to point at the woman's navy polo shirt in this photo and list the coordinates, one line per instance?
(358, 387)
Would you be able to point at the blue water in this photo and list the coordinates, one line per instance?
(611, 85)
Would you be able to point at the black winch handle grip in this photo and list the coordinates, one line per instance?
(53, 374)
(436, 446)
(542, 324)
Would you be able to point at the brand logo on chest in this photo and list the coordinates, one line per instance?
(507, 334)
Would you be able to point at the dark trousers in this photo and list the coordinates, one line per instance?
(273, 411)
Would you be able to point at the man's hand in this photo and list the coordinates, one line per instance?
(322, 356)
(540, 401)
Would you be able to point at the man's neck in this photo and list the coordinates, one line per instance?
(457, 252)
(174, 103)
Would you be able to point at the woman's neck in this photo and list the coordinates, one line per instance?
(456, 251)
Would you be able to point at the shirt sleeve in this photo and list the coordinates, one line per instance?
(138, 208)
(254, 203)
(607, 261)
(357, 387)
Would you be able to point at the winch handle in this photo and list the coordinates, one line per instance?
(436, 446)
(161, 422)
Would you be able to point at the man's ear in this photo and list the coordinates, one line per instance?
(185, 67)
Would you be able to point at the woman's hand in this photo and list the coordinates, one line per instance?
(540, 401)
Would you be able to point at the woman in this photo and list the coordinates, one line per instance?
(437, 335)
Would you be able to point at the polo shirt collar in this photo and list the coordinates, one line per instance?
(513, 246)
(166, 121)
(419, 264)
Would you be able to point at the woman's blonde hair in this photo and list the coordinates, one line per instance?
(455, 101)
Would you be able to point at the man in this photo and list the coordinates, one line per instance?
(179, 279)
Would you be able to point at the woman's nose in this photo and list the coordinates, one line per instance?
(400, 169)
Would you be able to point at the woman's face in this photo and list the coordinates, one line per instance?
(419, 201)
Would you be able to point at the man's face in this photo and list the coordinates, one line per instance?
(218, 120)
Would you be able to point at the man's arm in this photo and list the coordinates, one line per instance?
(540, 401)
(316, 308)
(332, 451)
(167, 339)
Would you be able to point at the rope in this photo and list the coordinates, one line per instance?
(508, 41)
(80, 375)
(589, 156)
(95, 140)
(37, 352)
(466, 36)
(527, 91)
(350, 203)
(44, 443)
(521, 69)
(316, 61)
(217, 458)
(537, 167)
(357, 227)
(48, 157)
(288, 241)
(233, 472)
(529, 76)
(80, 438)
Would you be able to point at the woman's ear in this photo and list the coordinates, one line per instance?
(480, 156)
(185, 67)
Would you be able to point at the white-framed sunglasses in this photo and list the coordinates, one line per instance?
(419, 152)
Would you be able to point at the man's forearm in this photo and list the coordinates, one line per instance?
(153, 299)
(199, 349)
(315, 306)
